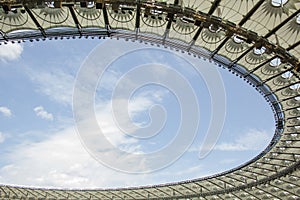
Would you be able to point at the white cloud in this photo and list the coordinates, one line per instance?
(145, 99)
(109, 127)
(59, 161)
(2, 137)
(42, 113)
(251, 140)
(62, 161)
(10, 51)
(56, 84)
(228, 161)
(5, 111)
(191, 170)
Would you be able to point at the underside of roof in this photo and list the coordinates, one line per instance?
(257, 40)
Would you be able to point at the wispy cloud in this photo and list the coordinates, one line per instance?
(56, 84)
(227, 161)
(2, 137)
(192, 170)
(5, 111)
(10, 51)
(62, 161)
(250, 141)
(42, 113)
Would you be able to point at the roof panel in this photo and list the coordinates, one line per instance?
(268, 16)
(234, 48)
(153, 21)
(89, 17)
(122, 17)
(183, 29)
(234, 11)
(198, 5)
(15, 20)
(49, 17)
(210, 38)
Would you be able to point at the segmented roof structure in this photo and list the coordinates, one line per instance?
(257, 40)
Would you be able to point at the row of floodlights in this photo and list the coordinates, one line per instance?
(99, 4)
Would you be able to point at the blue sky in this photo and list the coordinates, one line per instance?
(39, 145)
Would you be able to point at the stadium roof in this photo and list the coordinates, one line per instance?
(257, 40)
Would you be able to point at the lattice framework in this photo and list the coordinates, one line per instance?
(255, 39)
